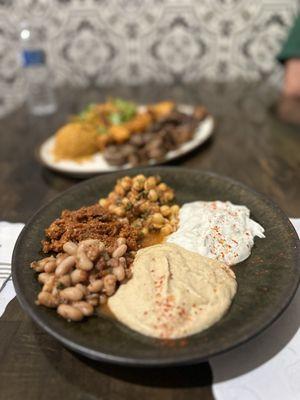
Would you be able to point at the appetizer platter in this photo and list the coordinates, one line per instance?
(159, 266)
(120, 134)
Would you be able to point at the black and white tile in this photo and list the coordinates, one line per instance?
(99, 42)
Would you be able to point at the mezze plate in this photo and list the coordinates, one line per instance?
(267, 280)
(96, 164)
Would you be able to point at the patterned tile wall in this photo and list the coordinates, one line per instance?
(99, 42)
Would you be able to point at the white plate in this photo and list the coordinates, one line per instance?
(96, 164)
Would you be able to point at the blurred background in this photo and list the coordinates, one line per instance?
(94, 43)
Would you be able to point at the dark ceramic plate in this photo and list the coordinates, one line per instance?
(267, 280)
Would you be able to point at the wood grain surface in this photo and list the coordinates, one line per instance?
(250, 144)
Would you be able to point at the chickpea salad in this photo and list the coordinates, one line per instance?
(92, 254)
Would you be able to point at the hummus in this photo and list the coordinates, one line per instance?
(217, 229)
(173, 292)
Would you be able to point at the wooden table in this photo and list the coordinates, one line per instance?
(249, 145)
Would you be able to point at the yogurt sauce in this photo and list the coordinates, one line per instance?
(217, 229)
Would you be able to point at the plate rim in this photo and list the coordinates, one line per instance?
(149, 362)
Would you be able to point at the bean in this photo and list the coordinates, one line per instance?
(101, 264)
(119, 273)
(36, 266)
(69, 312)
(65, 266)
(47, 299)
(39, 266)
(44, 277)
(109, 282)
(50, 266)
(120, 251)
(71, 294)
(70, 248)
(82, 287)
(92, 248)
(120, 241)
(102, 299)
(113, 262)
(49, 285)
(65, 280)
(78, 275)
(93, 299)
(96, 286)
(83, 262)
(86, 308)
(60, 257)
(122, 262)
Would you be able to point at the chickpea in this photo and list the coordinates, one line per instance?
(125, 202)
(175, 209)
(119, 190)
(152, 195)
(138, 182)
(140, 178)
(166, 230)
(126, 183)
(174, 222)
(165, 210)
(168, 196)
(150, 183)
(162, 186)
(138, 186)
(144, 206)
(145, 231)
(111, 208)
(158, 219)
(103, 202)
(119, 211)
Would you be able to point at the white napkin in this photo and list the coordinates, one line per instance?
(266, 368)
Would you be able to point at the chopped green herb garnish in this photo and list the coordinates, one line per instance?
(115, 118)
